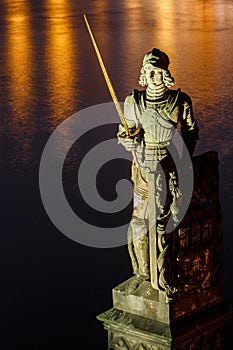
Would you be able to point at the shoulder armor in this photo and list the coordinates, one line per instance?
(172, 100)
(139, 97)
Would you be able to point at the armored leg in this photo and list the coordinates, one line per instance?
(139, 252)
(139, 247)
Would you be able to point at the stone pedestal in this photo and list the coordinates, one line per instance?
(206, 331)
(195, 316)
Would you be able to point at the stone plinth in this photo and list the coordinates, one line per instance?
(150, 303)
(206, 331)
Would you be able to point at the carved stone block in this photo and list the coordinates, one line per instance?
(202, 332)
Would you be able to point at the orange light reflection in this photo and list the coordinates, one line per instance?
(185, 41)
(19, 66)
(60, 56)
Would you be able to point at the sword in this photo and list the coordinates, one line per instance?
(111, 88)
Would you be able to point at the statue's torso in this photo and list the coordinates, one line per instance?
(157, 118)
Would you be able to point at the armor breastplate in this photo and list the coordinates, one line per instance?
(159, 122)
(157, 130)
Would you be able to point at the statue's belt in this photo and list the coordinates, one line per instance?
(156, 146)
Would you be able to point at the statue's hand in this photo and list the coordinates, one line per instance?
(132, 141)
(130, 144)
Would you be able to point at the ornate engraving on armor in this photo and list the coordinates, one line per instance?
(159, 192)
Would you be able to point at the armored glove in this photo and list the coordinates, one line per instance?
(130, 143)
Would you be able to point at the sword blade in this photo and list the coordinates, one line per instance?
(107, 78)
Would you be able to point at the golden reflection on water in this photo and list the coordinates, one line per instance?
(100, 7)
(55, 62)
(60, 57)
(195, 35)
(101, 28)
(194, 38)
(134, 44)
(166, 40)
(195, 53)
(185, 41)
(19, 66)
(19, 57)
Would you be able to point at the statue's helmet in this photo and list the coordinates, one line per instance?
(157, 58)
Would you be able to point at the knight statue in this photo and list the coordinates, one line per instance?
(158, 111)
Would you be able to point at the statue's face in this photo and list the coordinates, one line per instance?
(154, 75)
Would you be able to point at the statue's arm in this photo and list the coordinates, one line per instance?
(130, 111)
(189, 127)
(131, 119)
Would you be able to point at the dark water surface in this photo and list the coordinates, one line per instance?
(51, 287)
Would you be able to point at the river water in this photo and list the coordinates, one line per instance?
(53, 287)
